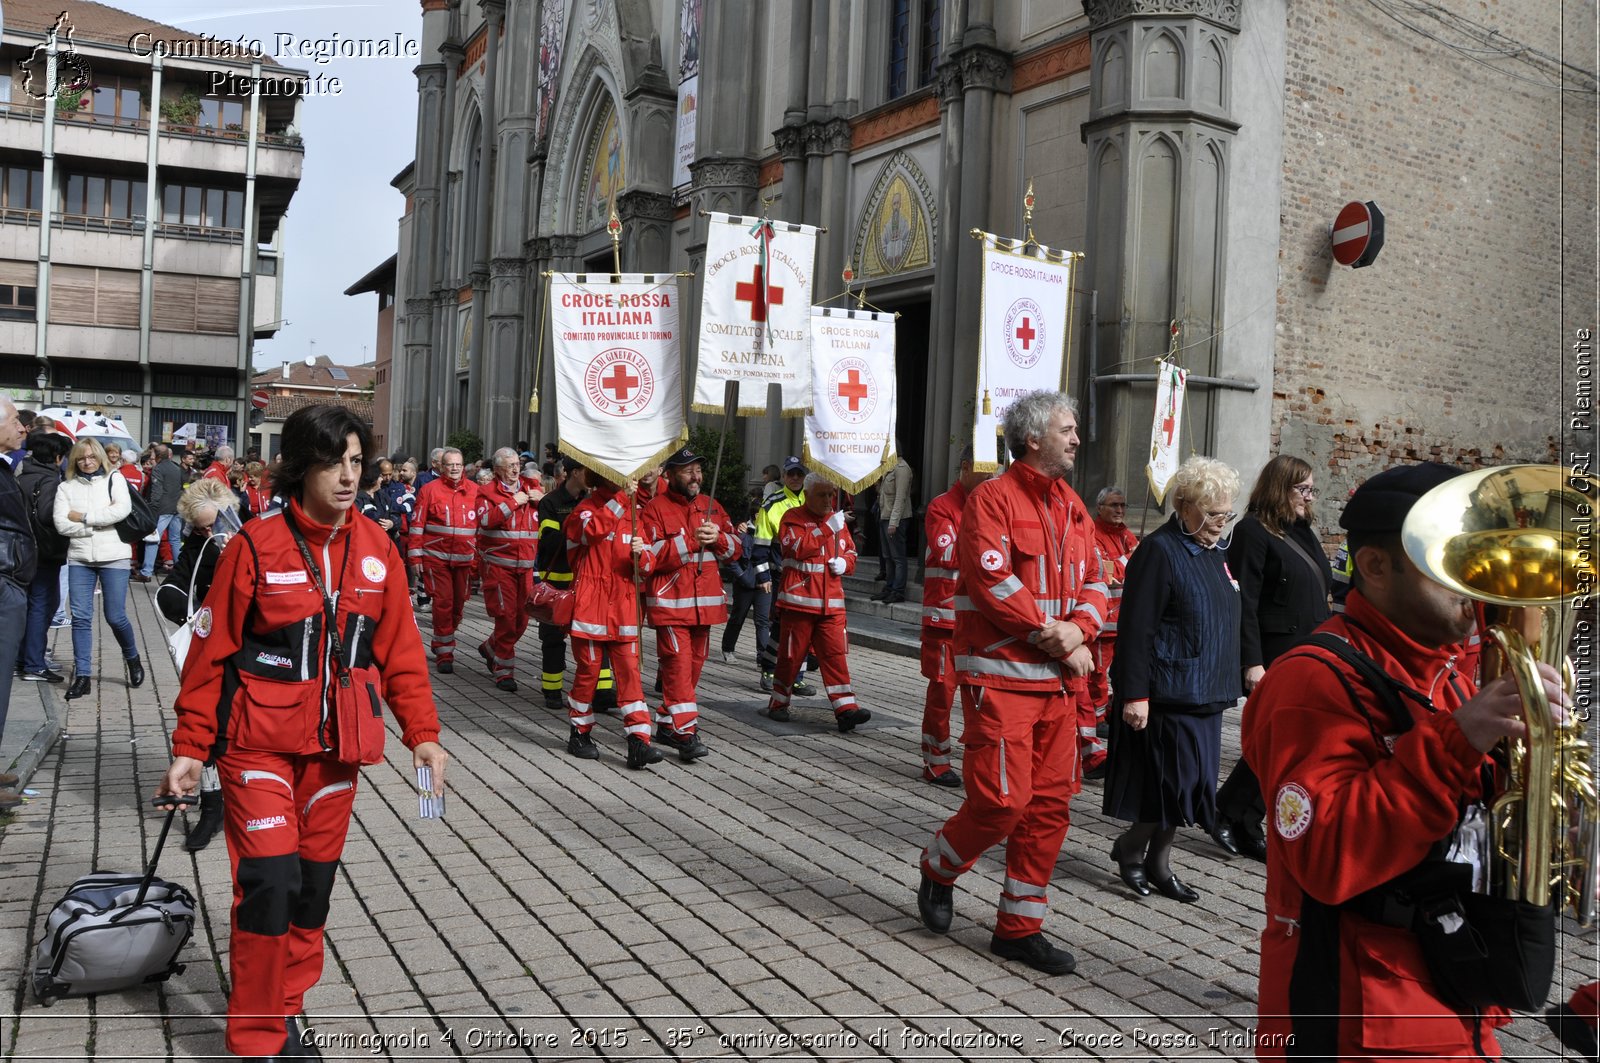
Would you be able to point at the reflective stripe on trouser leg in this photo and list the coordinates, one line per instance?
(1022, 904)
(998, 776)
(832, 646)
(630, 692)
(505, 595)
(279, 854)
(580, 699)
(1091, 747)
(794, 638)
(553, 653)
(441, 582)
(1051, 775)
(938, 665)
(681, 654)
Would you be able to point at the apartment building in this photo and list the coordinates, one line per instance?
(144, 175)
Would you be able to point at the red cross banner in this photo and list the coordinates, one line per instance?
(1171, 383)
(1026, 317)
(754, 314)
(849, 437)
(618, 369)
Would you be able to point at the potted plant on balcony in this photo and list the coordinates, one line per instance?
(234, 130)
(183, 111)
(70, 101)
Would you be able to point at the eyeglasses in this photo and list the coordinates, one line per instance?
(1305, 490)
(1115, 505)
(1220, 518)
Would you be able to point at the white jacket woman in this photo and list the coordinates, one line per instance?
(101, 500)
(89, 503)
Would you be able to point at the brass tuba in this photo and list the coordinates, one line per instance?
(1520, 538)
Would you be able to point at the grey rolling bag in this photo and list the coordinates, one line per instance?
(114, 931)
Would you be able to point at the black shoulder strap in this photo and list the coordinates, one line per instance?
(327, 602)
(1389, 690)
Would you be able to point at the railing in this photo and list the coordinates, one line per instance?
(199, 232)
(92, 223)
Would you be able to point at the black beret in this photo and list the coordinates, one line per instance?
(570, 465)
(1381, 503)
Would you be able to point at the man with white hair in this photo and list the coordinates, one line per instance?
(444, 533)
(508, 542)
(816, 552)
(1029, 601)
(18, 553)
(221, 462)
(434, 470)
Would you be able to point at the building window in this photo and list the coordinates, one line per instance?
(913, 44)
(5, 88)
(221, 113)
(94, 196)
(24, 188)
(208, 208)
(116, 101)
(18, 302)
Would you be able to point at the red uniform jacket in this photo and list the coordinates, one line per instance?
(1113, 542)
(508, 535)
(444, 525)
(1347, 814)
(134, 475)
(942, 526)
(600, 550)
(1026, 553)
(685, 586)
(259, 499)
(259, 672)
(216, 471)
(806, 542)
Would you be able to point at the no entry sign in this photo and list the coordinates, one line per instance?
(1357, 234)
(260, 399)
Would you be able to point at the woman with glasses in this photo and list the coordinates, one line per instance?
(88, 506)
(1284, 581)
(1176, 670)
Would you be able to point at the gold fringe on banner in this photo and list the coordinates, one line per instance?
(747, 411)
(814, 464)
(611, 472)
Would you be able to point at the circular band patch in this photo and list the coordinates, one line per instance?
(373, 569)
(945, 540)
(202, 621)
(1292, 811)
(991, 560)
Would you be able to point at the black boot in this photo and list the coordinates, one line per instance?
(135, 673)
(641, 754)
(79, 687)
(210, 821)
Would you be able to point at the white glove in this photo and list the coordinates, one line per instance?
(836, 565)
(836, 522)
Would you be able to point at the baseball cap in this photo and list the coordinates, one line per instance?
(793, 464)
(1380, 505)
(683, 456)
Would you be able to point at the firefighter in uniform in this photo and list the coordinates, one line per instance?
(444, 538)
(259, 691)
(508, 540)
(1031, 603)
(942, 528)
(817, 552)
(688, 535)
(1114, 542)
(1358, 797)
(605, 553)
(768, 561)
(553, 568)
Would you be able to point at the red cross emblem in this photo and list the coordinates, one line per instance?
(758, 295)
(1025, 333)
(853, 390)
(620, 383)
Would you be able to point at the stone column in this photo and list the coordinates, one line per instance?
(950, 395)
(441, 388)
(475, 415)
(1159, 136)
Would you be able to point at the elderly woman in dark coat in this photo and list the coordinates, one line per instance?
(1284, 580)
(1176, 670)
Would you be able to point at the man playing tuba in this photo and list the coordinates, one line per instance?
(1375, 780)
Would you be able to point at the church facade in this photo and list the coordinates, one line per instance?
(1195, 151)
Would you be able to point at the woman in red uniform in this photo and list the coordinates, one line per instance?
(261, 691)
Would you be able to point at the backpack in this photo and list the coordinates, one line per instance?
(52, 544)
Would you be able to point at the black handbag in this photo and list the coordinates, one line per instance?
(140, 521)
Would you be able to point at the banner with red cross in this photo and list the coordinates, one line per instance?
(1027, 291)
(618, 370)
(849, 437)
(754, 314)
(1172, 382)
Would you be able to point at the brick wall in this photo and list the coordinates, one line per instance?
(1453, 345)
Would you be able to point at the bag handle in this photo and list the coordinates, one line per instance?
(177, 802)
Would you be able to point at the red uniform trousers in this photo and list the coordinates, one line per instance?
(286, 817)
(1021, 772)
(591, 654)
(447, 585)
(1091, 747)
(939, 666)
(681, 655)
(505, 596)
(823, 635)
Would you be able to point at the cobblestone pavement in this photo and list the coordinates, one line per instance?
(757, 904)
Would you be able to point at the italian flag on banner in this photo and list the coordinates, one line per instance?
(618, 370)
(849, 437)
(1171, 382)
(754, 311)
(1027, 295)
